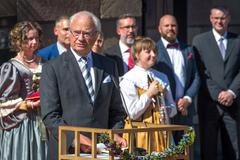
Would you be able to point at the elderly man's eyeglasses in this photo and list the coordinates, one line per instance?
(77, 34)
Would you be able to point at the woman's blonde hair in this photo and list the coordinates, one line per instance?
(142, 43)
(18, 35)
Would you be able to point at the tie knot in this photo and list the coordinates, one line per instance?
(221, 39)
(173, 45)
(83, 59)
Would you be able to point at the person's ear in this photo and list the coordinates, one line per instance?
(55, 31)
(137, 55)
(118, 31)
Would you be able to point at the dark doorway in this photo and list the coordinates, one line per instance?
(180, 12)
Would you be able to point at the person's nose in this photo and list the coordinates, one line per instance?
(153, 54)
(34, 41)
(131, 29)
(170, 27)
(80, 36)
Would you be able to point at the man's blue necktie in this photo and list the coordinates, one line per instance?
(222, 47)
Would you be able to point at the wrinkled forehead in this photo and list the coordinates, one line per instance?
(82, 22)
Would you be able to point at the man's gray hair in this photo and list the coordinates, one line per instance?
(95, 19)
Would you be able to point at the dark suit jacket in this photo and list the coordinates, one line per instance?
(217, 74)
(115, 53)
(49, 52)
(65, 100)
(192, 77)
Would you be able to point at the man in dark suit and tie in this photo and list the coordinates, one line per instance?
(218, 56)
(61, 30)
(79, 88)
(126, 28)
(177, 61)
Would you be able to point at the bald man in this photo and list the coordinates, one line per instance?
(177, 61)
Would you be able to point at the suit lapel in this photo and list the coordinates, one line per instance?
(230, 46)
(185, 53)
(215, 49)
(163, 54)
(72, 68)
(119, 54)
(118, 51)
(98, 72)
(55, 51)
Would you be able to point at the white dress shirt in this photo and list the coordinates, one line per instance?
(89, 65)
(217, 37)
(61, 48)
(137, 77)
(178, 65)
(125, 55)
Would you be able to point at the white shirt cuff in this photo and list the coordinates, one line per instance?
(230, 91)
(189, 99)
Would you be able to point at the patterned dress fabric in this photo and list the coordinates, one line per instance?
(22, 134)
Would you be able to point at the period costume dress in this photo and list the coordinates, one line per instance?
(141, 108)
(22, 134)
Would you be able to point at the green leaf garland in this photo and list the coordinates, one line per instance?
(171, 151)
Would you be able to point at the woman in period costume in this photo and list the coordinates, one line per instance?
(141, 87)
(22, 133)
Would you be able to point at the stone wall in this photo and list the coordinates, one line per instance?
(147, 12)
(110, 10)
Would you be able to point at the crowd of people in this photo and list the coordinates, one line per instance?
(75, 82)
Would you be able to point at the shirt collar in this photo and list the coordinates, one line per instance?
(123, 47)
(140, 68)
(217, 36)
(145, 71)
(77, 56)
(165, 42)
(61, 48)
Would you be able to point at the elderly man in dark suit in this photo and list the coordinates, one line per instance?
(218, 57)
(121, 53)
(61, 30)
(79, 88)
(177, 61)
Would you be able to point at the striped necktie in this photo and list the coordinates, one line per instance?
(87, 77)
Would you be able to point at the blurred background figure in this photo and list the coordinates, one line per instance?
(218, 56)
(126, 28)
(61, 31)
(98, 45)
(22, 133)
(177, 61)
